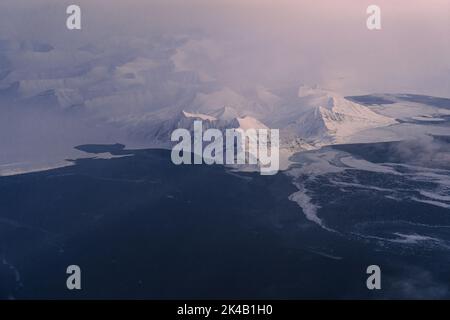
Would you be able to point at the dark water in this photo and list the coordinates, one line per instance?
(370, 100)
(392, 98)
(140, 227)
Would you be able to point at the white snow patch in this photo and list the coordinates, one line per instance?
(309, 209)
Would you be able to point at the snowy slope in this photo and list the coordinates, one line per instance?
(133, 91)
(325, 117)
(157, 128)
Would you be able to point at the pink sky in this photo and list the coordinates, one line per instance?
(310, 41)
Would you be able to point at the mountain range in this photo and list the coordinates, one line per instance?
(134, 92)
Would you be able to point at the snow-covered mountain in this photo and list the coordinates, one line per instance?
(314, 115)
(146, 96)
(132, 92)
(157, 128)
(323, 117)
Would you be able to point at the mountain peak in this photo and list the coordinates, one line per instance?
(199, 116)
(226, 113)
(247, 122)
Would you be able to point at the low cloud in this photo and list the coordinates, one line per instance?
(425, 151)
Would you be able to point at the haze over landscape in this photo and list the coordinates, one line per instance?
(364, 120)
